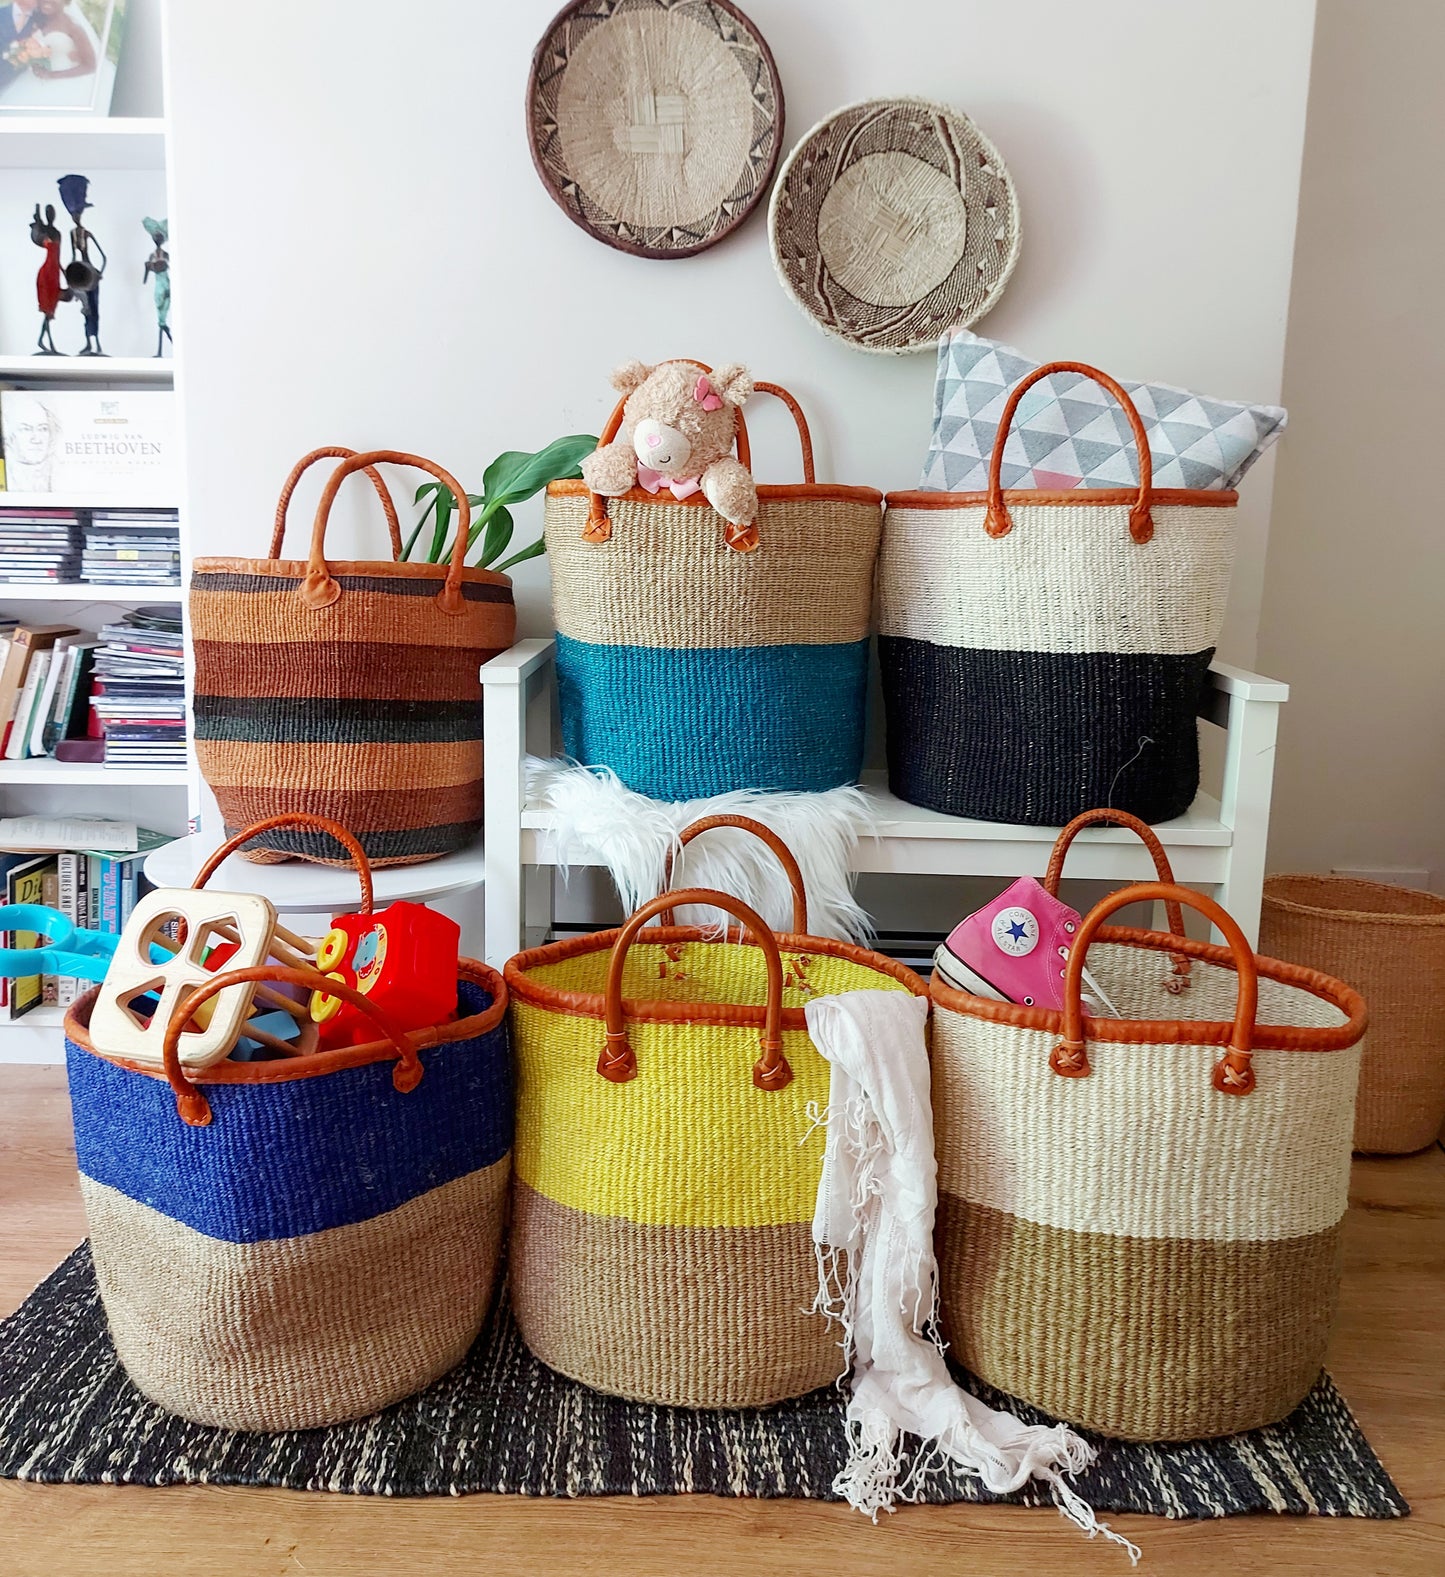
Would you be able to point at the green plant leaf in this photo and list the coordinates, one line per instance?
(534, 551)
(446, 503)
(498, 535)
(516, 475)
(421, 493)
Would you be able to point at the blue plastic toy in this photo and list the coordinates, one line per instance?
(68, 948)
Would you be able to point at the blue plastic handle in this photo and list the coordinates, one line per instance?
(67, 948)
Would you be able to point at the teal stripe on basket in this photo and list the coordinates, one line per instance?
(683, 724)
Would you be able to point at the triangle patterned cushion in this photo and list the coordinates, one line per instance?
(1068, 433)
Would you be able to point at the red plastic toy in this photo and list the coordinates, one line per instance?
(404, 959)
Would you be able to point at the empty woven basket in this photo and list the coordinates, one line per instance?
(1389, 944)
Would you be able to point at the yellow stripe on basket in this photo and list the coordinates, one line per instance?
(691, 1141)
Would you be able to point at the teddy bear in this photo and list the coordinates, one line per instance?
(679, 424)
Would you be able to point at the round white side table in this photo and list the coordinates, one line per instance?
(299, 887)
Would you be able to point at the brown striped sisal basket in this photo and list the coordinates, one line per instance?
(347, 689)
(1389, 944)
(1139, 1217)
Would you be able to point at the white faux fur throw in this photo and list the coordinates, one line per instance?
(602, 822)
(873, 1232)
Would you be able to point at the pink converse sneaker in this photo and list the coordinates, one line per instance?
(1016, 949)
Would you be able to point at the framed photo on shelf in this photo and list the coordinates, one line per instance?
(58, 57)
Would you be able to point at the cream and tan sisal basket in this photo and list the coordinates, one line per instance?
(1389, 944)
(1139, 1218)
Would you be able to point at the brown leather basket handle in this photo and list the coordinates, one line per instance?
(599, 527)
(300, 818)
(1179, 980)
(1141, 519)
(768, 836)
(618, 1061)
(1234, 1072)
(393, 525)
(320, 590)
(191, 1104)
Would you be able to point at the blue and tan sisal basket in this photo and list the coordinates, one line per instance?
(691, 668)
(283, 1245)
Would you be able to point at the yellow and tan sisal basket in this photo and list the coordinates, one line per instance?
(1389, 944)
(348, 690)
(1139, 1218)
(661, 1241)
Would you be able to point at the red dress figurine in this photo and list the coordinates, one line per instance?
(49, 292)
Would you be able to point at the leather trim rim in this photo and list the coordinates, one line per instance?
(592, 1004)
(916, 498)
(296, 569)
(778, 492)
(283, 1072)
(1194, 1032)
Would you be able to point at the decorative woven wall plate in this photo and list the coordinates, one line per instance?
(892, 221)
(656, 125)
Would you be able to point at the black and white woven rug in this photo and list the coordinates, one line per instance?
(504, 1423)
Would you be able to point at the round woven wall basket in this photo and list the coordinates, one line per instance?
(656, 126)
(1389, 944)
(892, 221)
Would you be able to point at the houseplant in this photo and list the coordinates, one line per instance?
(510, 479)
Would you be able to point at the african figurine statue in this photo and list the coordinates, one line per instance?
(81, 274)
(49, 292)
(159, 264)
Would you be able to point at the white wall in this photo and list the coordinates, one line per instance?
(364, 254)
(1357, 557)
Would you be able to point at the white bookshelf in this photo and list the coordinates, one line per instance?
(80, 593)
(78, 371)
(44, 142)
(126, 157)
(84, 501)
(38, 771)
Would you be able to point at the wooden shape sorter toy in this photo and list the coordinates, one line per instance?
(175, 940)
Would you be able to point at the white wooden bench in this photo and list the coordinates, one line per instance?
(1218, 844)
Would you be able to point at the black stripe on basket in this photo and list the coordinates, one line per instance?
(391, 585)
(398, 844)
(309, 720)
(1037, 737)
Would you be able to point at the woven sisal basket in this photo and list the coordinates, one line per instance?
(294, 1243)
(692, 668)
(661, 1245)
(1389, 944)
(1046, 652)
(350, 690)
(1139, 1218)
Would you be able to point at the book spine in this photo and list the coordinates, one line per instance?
(109, 898)
(69, 867)
(50, 897)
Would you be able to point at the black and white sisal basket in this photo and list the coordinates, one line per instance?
(1044, 653)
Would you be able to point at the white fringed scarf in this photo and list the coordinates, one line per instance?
(599, 821)
(876, 1203)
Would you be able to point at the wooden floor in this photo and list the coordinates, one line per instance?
(1388, 1356)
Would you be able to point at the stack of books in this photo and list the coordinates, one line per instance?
(39, 546)
(139, 694)
(95, 888)
(132, 547)
(44, 687)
